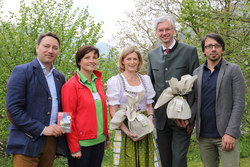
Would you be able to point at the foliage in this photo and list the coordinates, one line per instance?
(19, 32)
(107, 162)
(228, 18)
(193, 155)
(193, 151)
(108, 65)
(108, 155)
(61, 162)
(195, 19)
(245, 146)
(5, 161)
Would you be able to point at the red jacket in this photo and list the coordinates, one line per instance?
(78, 99)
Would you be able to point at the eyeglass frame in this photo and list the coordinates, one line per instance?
(216, 46)
(164, 30)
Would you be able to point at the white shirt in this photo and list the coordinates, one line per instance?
(114, 85)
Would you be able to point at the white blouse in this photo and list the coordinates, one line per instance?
(114, 88)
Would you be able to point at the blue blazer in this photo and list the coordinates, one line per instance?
(29, 103)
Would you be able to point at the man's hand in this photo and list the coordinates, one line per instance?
(53, 130)
(190, 128)
(181, 123)
(227, 143)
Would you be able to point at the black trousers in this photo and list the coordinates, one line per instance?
(91, 157)
(173, 142)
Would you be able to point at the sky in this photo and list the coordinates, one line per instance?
(108, 11)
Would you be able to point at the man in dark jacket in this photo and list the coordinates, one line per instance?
(219, 105)
(33, 100)
(171, 59)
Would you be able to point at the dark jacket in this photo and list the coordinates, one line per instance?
(29, 103)
(182, 60)
(230, 99)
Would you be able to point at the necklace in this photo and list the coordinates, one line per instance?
(131, 92)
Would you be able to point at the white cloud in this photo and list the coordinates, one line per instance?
(108, 11)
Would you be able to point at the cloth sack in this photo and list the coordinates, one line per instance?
(178, 107)
(138, 123)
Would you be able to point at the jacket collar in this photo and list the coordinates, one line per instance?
(160, 48)
(40, 74)
(97, 73)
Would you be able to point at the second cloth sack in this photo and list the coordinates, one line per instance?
(178, 107)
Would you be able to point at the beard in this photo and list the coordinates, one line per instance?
(214, 58)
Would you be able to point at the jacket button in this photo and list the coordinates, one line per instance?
(49, 98)
(80, 132)
(48, 113)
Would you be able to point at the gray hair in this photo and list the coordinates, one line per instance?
(162, 19)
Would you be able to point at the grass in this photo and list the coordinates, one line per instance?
(5, 161)
(193, 155)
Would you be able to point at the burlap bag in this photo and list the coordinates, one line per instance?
(178, 107)
(138, 123)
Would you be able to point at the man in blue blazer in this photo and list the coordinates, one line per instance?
(171, 59)
(219, 105)
(33, 100)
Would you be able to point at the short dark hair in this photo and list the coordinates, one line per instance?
(82, 51)
(50, 34)
(216, 37)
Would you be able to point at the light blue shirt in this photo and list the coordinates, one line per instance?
(52, 88)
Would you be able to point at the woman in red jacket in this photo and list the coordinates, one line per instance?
(83, 96)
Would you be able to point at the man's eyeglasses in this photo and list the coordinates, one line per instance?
(164, 30)
(210, 47)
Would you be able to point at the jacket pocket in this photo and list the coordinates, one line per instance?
(154, 69)
(181, 67)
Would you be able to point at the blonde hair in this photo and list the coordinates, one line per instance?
(125, 52)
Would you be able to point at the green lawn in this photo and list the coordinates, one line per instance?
(193, 155)
(62, 162)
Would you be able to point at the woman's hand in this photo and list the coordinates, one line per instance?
(77, 155)
(150, 111)
(131, 135)
(151, 118)
(140, 138)
(107, 143)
